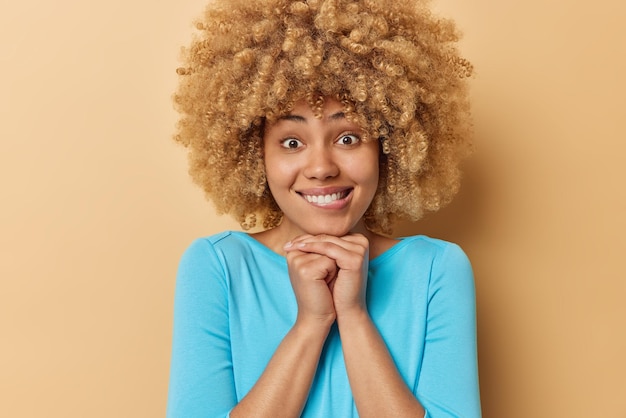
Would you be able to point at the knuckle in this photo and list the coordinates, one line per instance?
(362, 239)
(304, 270)
(297, 263)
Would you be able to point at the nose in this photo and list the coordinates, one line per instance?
(320, 163)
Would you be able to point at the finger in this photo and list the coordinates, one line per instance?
(349, 257)
(290, 244)
(312, 266)
(359, 239)
(354, 243)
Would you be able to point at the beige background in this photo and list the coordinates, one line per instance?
(97, 206)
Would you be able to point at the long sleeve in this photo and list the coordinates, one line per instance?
(448, 382)
(201, 375)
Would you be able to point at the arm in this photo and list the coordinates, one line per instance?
(376, 384)
(283, 388)
(447, 384)
(448, 380)
(201, 380)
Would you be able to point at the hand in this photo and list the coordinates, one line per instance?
(312, 277)
(350, 255)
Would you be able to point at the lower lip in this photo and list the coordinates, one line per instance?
(336, 204)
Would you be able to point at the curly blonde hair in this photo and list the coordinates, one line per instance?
(393, 65)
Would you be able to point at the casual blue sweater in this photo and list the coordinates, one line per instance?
(234, 304)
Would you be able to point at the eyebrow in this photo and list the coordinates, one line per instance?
(302, 119)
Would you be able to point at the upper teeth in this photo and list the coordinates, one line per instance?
(323, 198)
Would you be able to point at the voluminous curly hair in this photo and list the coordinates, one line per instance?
(392, 64)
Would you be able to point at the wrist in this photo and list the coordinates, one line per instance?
(316, 327)
(354, 317)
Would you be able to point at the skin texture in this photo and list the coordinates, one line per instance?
(307, 155)
(327, 251)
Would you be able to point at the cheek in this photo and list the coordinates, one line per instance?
(370, 164)
(277, 172)
(373, 176)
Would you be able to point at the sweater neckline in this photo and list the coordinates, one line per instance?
(374, 262)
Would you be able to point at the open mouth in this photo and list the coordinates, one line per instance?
(326, 199)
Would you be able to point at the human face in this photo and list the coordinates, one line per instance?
(320, 172)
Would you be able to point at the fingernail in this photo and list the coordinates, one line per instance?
(288, 244)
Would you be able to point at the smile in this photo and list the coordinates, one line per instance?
(326, 199)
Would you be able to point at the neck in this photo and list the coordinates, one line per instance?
(276, 238)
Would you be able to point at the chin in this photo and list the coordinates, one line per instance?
(336, 231)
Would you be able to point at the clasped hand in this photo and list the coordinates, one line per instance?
(328, 275)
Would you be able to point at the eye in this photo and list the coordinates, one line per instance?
(348, 139)
(290, 143)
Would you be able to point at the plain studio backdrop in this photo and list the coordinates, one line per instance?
(97, 207)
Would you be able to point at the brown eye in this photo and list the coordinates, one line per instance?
(348, 139)
(291, 143)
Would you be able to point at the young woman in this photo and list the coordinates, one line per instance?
(327, 120)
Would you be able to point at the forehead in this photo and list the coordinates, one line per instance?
(328, 110)
(329, 106)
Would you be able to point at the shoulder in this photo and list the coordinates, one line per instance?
(445, 255)
(443, 252)
(451, 274)
(208, 260)
(218, 244)
(229, 249)
(423, 247)
(211, 252)
(444, 262)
